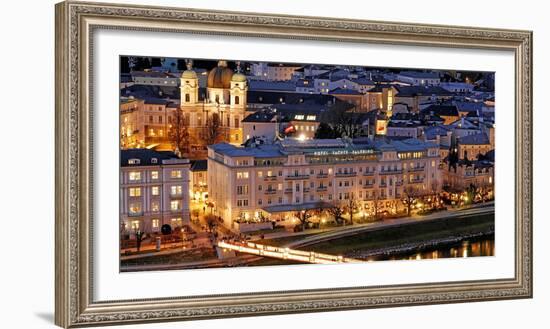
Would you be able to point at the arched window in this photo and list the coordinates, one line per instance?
(187, 98)
(236, 100)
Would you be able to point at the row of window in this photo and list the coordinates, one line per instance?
(136, 208)
(155, 190)
(364, 195)
(135, 176)
(383, 168)
(155, 223)
(243, 189)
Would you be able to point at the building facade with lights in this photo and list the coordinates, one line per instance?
(215, 116)
(211, 115)
(476, 175)
(153, 191)
(273, 181)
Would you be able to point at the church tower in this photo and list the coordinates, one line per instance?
(238, 90)
(189, 86)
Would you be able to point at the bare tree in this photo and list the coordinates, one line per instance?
(484, 188)
(410, 194)
(211, 222)
(376, 204)
(213, 128)
(351, 206)
(140, 236)
(434, 189)
(304, 216)
(343, 121)
(179, 133)
(336, 210)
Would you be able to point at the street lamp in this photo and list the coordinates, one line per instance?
(182, 236)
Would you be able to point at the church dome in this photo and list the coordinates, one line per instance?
(238, 77)
(189, 74)
(220, 76)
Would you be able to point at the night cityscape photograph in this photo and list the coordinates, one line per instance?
(227, 163)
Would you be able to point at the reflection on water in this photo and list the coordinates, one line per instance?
(467, 248)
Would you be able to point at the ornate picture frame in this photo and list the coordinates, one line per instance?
(75, 25)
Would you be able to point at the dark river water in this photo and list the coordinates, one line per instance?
(475, 247)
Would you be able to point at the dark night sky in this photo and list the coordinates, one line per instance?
(148, 62)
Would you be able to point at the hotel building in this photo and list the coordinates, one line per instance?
(274, 181)
(153, 190)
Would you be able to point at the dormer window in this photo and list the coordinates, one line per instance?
(154, 160)
(133, 161)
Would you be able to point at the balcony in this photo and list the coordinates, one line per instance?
(176, 195)
(135, 213)
(288, 190)
(321, 189)
(270, 191)
(369, 173)
(270, 178)
(417, 180)
(367, 186)
(346, 174)
(296, 177)
(398, 183)
(415, 169)
(322, 175)
(306, 189)
(391, 172)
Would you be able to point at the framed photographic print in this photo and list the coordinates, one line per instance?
(219, 164)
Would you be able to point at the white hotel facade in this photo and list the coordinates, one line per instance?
(154, 191)
(275, 180)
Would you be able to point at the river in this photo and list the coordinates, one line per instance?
(473, 247)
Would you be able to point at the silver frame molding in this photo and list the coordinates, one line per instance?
(76, 22)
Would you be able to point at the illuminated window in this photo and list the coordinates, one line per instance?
(299, 117)
(175, 205)
(133, 161)
(154, 174)
(242, 203)
(242, 189)
(155, 190)
(242, 175)
(134, 176)
(260, 174)
(135, 191)
(134, 208)
(155, 206)
(176, 221)
(175, 190)
(175, 174)
(155, 223)
(134, 225)
(311, 117)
